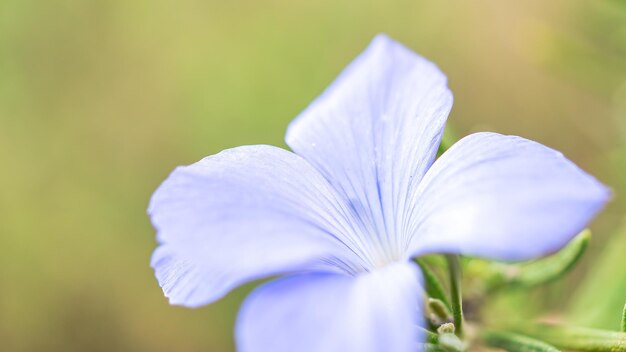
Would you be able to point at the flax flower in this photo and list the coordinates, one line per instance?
(339, 219)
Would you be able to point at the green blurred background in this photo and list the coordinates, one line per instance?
(100, 100)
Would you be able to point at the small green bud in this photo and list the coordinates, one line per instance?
(447, 328)
(439, 312)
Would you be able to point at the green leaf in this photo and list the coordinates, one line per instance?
(624, 319)
(431, 337)
(539, 271)
(516, 343)
(434, 288)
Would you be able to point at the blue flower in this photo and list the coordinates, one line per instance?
(341, 217)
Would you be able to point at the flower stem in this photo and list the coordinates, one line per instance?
(624, 319)
(516, 343)
(580, 339)
(454, 268)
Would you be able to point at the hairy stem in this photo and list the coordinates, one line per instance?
(580, 339)
(516, 343)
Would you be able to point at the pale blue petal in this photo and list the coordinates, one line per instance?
(502, 197)
(242, 214)
(372, 312)
(374, 132)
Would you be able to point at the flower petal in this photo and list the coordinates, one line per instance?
(375, 131)
(372, 312)
(243, 214)
(502, 197)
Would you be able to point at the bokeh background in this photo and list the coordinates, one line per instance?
(101, 99)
